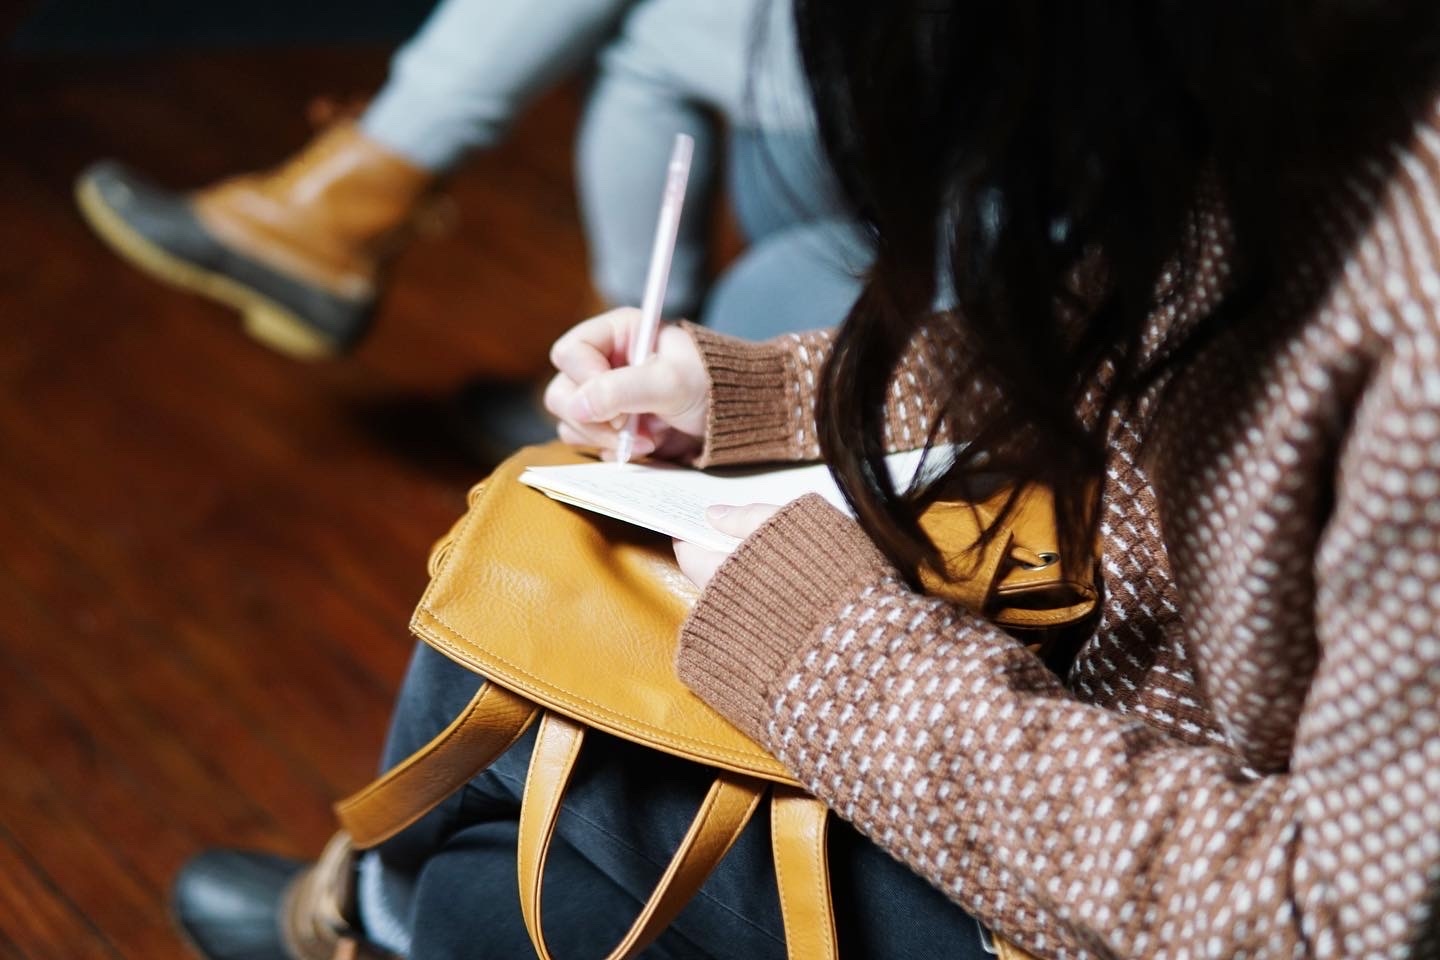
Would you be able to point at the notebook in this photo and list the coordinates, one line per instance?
(672, 499)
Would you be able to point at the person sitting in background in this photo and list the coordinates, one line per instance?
(302, 250)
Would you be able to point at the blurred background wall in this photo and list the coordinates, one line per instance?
(141, 26)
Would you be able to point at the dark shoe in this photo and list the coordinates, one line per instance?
(239, 905)
(229, 902)
(299, 251)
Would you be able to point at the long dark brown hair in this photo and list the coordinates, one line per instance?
(994, 146)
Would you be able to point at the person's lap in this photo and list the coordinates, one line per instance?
(625, 812)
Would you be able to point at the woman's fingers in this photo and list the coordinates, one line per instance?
(559, 395)
(603, 438)
(613, 394)
(697, 563)
(594, 346)
(700, 564)
(740, 521)
(595, 392)
(649, 388)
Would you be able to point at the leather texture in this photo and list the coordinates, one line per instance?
(520, 578)
(1006, 950)
(332, 214)
(242, 905)
(724, 812)
(1018, 580)
(518, 564)
(490, 723)
(158, 231)
(799, 826)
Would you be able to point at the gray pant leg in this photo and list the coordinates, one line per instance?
(624, 147)
(802, 278)
(458, 83)
(675, 66)
(806, 261)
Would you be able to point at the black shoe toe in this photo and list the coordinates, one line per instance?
(228, 903)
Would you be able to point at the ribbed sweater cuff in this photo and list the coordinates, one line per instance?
(750, 418)
(766, 600)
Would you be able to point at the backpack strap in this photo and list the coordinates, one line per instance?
(491, 723)
(488, 726)
(798, 830)
(723, 814)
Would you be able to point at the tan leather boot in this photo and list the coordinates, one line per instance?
(299, 250)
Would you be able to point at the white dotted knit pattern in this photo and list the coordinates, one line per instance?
(1245, 759)
(910, 417)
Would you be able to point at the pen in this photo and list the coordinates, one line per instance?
(677, 176)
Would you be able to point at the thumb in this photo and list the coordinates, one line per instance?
(740, 521)
(647, 388)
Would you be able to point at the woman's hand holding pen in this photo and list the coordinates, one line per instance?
(594, 391)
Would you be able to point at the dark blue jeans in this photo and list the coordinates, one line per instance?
(449, 881)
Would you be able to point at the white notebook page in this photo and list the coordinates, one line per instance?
(672, 499)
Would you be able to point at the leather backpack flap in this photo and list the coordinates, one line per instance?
(579, 613)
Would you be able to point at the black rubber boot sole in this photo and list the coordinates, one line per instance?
(156, 231)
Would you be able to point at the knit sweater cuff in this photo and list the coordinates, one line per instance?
(749, 419)
(766, 601)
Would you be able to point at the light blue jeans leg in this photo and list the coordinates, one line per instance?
(458, 84)
(805, 277)
(664, 67)
(680, 66)
(674, 66)
(806, 259)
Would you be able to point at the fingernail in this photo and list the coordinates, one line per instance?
(718, 511)
(580, 408)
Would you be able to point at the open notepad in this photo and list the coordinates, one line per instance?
(672, 499)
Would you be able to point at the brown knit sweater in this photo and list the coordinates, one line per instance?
(1244, 760)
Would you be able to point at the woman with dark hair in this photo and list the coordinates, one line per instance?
(1192, 259)
(1180, 263)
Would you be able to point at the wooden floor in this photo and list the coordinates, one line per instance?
(208, 553)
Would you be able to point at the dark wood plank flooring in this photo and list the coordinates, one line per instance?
(208, 553)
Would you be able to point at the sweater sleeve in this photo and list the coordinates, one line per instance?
(1079, 831)
(763, 396)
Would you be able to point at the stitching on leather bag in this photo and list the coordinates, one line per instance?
(457, 642)
(450, 734)
(517, 784)
(544, 856)
(748, 763)
(822, 895)
(623, 721)
(785, 922)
